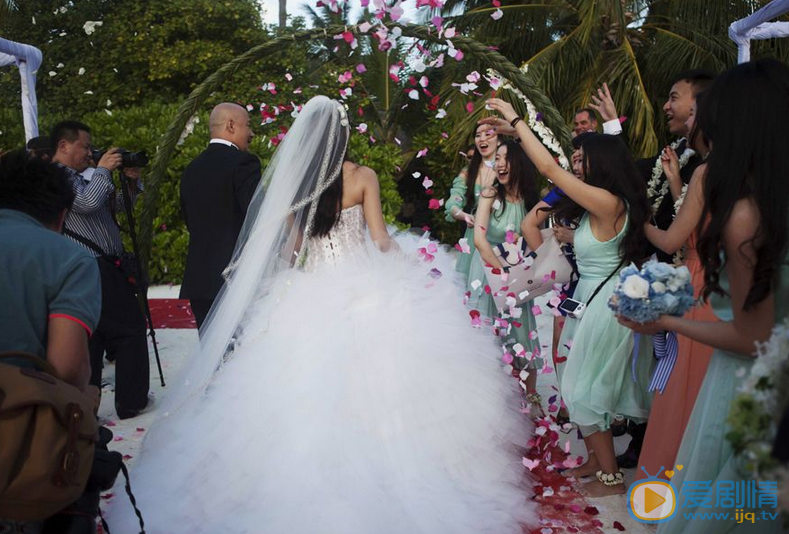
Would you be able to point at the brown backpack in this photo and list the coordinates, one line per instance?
(48, 433)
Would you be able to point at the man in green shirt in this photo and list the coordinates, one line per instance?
(49, 286)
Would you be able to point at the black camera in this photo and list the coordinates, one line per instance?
(128, 158)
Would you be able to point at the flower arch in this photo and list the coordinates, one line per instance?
(517, 80)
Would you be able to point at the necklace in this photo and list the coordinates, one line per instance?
(657, 188)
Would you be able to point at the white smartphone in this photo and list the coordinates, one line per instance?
(573, 308)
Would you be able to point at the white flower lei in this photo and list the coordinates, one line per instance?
(538, 127)
(679, 255)
(655, 189)
(763, 389)
(680, 199)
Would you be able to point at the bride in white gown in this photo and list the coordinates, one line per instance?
(357, 398)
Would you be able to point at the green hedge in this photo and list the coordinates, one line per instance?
(139, 128)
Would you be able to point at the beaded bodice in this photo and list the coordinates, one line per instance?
(347, 235)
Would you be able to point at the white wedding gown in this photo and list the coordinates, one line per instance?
(359, 400)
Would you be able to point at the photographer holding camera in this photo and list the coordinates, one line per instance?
(92, 223)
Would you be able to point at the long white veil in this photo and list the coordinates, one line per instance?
(279, 219)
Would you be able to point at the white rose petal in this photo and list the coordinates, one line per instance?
(53, 73)
(91, 25)
(81, 71)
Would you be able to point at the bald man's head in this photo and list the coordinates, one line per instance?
(230, 122)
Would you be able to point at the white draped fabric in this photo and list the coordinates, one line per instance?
(757, 26)
(28, 58)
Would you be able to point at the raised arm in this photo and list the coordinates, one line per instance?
(486, 199)
(530, 226)
(670, 163)
(599, 202)
(688, 217)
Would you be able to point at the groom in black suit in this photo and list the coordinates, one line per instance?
(216, 189)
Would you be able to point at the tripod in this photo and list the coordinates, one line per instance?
(143, 295)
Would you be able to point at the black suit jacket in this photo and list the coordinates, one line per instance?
(216, 189)
(665, 212)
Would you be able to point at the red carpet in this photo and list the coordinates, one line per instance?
(562, 508)
(171, 313)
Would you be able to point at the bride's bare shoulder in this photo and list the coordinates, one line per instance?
(358, 175)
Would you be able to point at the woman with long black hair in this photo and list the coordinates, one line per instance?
(611, 207)
(502, 207)
(743, 245)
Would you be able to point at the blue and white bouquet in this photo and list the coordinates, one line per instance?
(643, 295)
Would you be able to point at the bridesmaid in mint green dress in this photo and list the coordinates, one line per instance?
(462, 202)
(612, 209)
(501, 209)
(746, 267)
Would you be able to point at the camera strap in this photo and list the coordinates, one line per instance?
(604, 282)
(133, 501)
(87, 242)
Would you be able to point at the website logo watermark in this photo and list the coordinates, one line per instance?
(655, 500)
(652, 500)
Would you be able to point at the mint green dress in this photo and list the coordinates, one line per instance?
(596, 380)
(705, 453)
(506, 218)
(457, 199)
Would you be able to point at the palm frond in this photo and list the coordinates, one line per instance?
(629, 92)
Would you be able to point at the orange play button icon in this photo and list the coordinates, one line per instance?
(652, 500)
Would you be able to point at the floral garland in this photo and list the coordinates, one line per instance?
(657, 189)
(680, 199)
(756, 410)
(534, 120)
(679, 255)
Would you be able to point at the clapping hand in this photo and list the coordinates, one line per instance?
(603, 103)
(670, 163)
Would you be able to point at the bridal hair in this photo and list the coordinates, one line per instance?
(271, 242)
(329, 208)
(745, 114)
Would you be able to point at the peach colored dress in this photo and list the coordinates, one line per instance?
(671, 409)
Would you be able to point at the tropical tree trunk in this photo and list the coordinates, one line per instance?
(283, 13)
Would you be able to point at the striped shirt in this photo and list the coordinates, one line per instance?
(93, 214)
